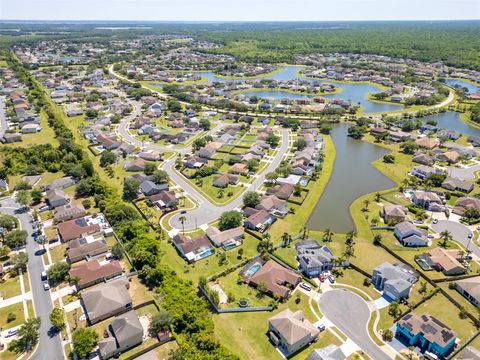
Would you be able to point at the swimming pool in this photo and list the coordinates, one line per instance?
(253, 269)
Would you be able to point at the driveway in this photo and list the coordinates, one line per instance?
(206, 211)
(459, 232)
(350, 313)
(49, 347)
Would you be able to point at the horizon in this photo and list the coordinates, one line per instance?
(239, 11)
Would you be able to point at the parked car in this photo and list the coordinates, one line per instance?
(430, 236)
(43, 275)
(435, 221)
(305, 286)
(11, 332)
(321, 277)
(331, 279)
(321, 327)
(183, 212)
(470, 235)
(46, 286)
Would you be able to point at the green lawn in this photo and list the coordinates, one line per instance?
(246, 334)
(46, 136)
(16, 309)
(163, 351)
(10, 287)
(58, 252)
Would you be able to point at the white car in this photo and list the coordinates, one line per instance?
(46, 286)
(11, 333)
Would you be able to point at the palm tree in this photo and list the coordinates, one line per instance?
(377, 239)
(286, 238)
(446, 237)
(220, 193)
(182, 219)
(377, 197)
(327, 235)
(366, 202)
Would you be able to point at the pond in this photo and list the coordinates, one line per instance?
(275, 94)
(355, 92)
(457, 82)
(451, 120)
(352, 176)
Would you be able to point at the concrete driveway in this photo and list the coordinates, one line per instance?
(350, 313)
(459, 232)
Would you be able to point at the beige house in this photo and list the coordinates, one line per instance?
(291, 332)
(470, 288)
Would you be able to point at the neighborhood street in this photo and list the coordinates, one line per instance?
(207, 211)
(3, 118)
(459, 233)
(350, 313)
(49, 348)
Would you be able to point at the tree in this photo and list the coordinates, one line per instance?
(229, 220)
(117, 251)
(251, 199)
(84, 341)
(271, 176)
(252, 165)
(273, 140)
(366, 202)
(150, 168)
(160, 322)
(8, 222)
(36, 195)
(107, 158)
(23, 198)
(387, 335)
(377, 239)
(28, 336)
(388, 159)
(423, 288)
(445, 237)
(58, 272)
(20, 262)
(57, 318)
(300, 144)
(182, 219)
(327, 235)
(130, 189)
(205, 124)
(16, 238)
(160, 177)
(394, 309)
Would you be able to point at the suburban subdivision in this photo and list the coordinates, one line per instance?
(239, 191)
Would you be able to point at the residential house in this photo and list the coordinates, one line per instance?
(10, 138)
(56, 197)
(394, 280)
(273, 205)
(451, 157)
(195, 162)
(259, 220)
(227, 239)
(313, 258)
(393, 213)
(193, 249)
(149, 188)
(125, 332)
(409, 235)
(291, 331)
(428, 200)
(423, 171)
(330, 352)
(239, 169)
(427, 333)
(136, 165)
(209, 150)
(423, 159)
(454, 184)
(224, 180)
(92, 272)
(82, 249)
(61, 183)
(448, 134)
(447, 261)
(103, 301)
(164, 200)
(464, 203)
(69, 211)
(470, 288)
(427, 143)
(278, 281)
(76, 228)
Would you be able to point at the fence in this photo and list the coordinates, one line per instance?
(459, 350)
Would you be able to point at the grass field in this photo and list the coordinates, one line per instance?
(10, 287)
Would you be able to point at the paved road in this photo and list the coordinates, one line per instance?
(350, 313)
(49, 348)
(207, 211)
(3, 117)
(463, 173)
(459, 232)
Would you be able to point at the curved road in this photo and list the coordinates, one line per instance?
(350, 313)
(207, 211)
(459, 233)
(49, 347)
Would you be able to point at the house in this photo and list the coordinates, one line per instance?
(31, 128)
(259, 220)
(273, 205)
(164, 200)
(227, 239)
(69, 212)
(195, 162)
(446, 261)
(61, 183)
(330, 352)
(428, 200)
(470, 288)
(291, 332)
(409, 235)
(56, 197)
(239, 169)
(82, 249)
(224, 180)
(150, 155)
(3, 185)
(193, 249)
(10, 138)
(393, 213)
(125, 332)
(92, 272)
(136, 165)
(427, 143)
(423, 171)
(426, 332)
(454, 184)
(313, 258)
(103, 301)
(451, 157)
(284, 191)
(210, 149)
(278, 281)
(464, 203)
(423, 159)
(76, 228)
(448, 134)
(149, 188)
(394, 280)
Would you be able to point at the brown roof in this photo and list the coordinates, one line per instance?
(239, 168)
(77, 250)
(431, 328)
(188, 245)
(428, 143)
(447, 259)
(293, 326)
(91, 271)
(275, 278)
(73, 229)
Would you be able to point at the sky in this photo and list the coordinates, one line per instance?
(239, 10)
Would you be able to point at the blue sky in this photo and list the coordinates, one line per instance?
(237, 10)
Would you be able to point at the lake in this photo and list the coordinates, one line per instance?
(352, 176)
(276, 94)
(471, 87)
(451, 120)
(355, 92)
